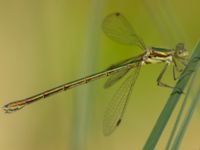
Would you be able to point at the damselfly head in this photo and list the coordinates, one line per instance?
(180, 50)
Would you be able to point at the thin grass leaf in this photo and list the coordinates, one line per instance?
(173, 99)
(174, 129)
(186, 121)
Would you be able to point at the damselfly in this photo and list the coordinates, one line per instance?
(117, 28)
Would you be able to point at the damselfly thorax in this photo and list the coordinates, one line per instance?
(154, 56)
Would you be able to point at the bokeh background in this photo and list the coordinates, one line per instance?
(45, 43)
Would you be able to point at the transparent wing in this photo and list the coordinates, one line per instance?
(119, 75)
(114, 113)
(117, 27)
(115, 77)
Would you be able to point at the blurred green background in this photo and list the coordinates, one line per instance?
(45, 43)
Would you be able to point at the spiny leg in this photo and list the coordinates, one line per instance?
(174, 73)
(176, 68)
(184, 61)
(159, 82)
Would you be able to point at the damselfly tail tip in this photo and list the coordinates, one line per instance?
(8, 109)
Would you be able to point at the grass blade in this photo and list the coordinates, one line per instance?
(174, 129)
(172, 100)
(186, 121)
